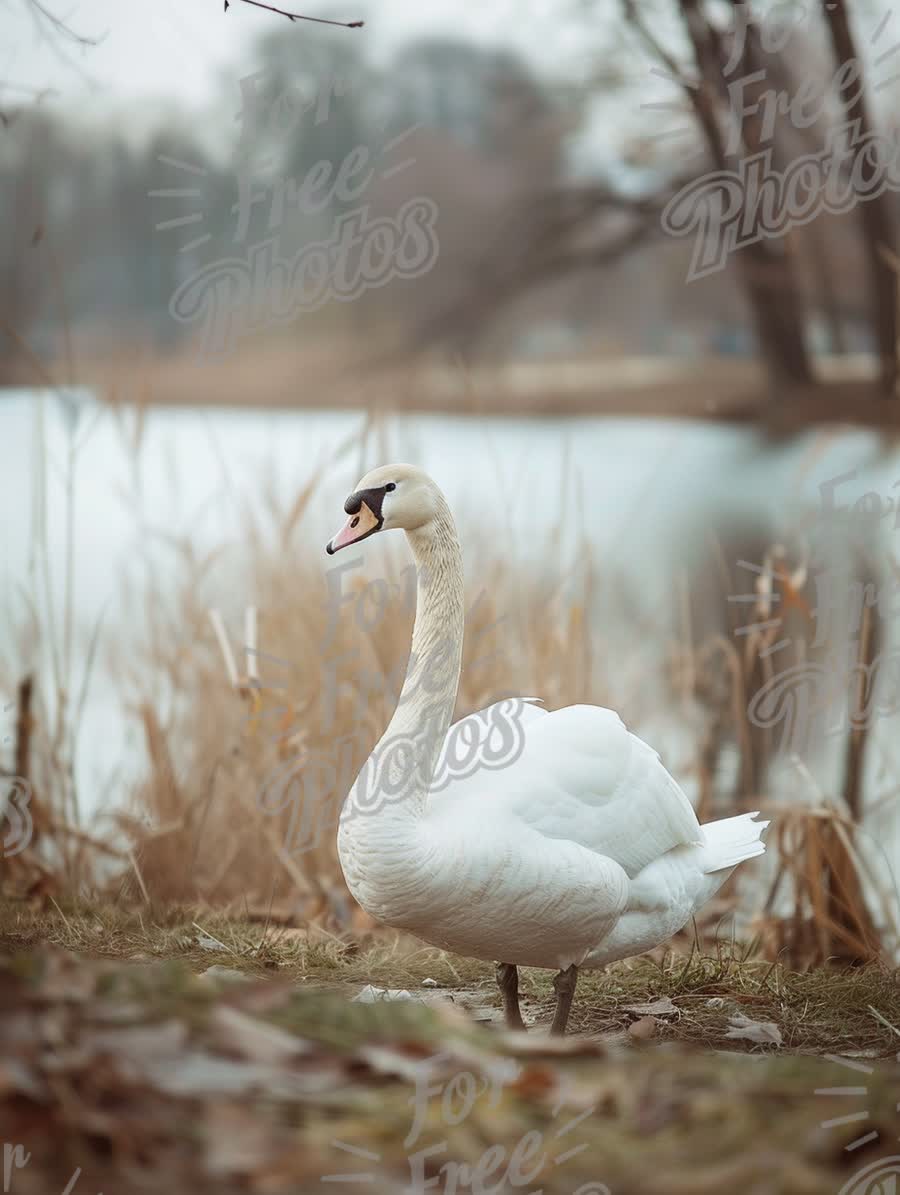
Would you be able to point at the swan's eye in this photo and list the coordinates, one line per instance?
(390, 487)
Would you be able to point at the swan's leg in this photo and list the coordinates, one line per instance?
(564, 986)
(508, 983)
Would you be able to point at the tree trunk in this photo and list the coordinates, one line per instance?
(765, 269)
(875, 212)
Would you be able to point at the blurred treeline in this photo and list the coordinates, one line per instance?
(83, 242)
(493, 144)
(549, 214)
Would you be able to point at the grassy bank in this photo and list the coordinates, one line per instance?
(692, 998)
(144, 1074)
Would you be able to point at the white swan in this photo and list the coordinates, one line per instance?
(569, 847)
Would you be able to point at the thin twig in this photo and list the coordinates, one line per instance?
(140, 879)
(57, 34)
(24, 728)
(61, 913)
(61, 827)
(880, 1017)
(218, 625)
(59, 26)
(250, 646)
(212, 937)
(296, 16)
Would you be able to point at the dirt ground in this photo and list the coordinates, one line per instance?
(194, 1054)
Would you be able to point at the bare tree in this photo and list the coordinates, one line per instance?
(787, 281)
(766, 270)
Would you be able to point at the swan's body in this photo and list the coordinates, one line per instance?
(576, 850)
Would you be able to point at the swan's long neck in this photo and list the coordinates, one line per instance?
(392, 789)
(428, 697)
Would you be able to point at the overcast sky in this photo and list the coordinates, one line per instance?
(179, 52)
(176, 48)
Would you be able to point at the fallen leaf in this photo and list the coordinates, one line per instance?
(253, 1039)
(371, 995)
(207, 943)
(139, 1043)
(486, 1014)
(217, 973)
(107, 1012)
(385, 1060)
(654, 1008)
(643, 1029)
(235, 1143)
(61, 979)
(537, 1044)
(258, 995)
(18, 1079)
(762, 1032)
(536, 1081)
(202, 1074)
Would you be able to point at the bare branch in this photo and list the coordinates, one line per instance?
(58, 25)
(59, 35)
(296, 16)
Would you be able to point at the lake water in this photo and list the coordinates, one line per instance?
(643, 492)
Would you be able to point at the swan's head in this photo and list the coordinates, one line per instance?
(390, 496)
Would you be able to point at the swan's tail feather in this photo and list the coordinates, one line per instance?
(731, 841)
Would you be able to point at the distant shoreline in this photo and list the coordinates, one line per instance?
(280, 377)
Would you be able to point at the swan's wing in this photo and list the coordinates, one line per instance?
(663, 896)
(579, 775)
(486, 741)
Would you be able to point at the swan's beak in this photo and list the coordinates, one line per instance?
(357, 527)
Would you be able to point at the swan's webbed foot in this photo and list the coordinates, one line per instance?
(508, 983)
(564, 984)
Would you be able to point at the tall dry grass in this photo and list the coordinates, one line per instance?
(825, 902)
(50, 678)
(251, 752)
